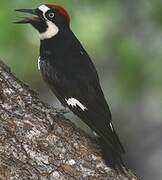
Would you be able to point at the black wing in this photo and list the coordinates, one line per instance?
(76, 84)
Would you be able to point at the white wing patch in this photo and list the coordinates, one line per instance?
(39, 63)
(74, 102)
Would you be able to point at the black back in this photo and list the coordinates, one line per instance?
(70, 73)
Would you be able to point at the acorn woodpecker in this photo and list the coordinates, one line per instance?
(69, 72)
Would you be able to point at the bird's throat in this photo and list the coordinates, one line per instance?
(51, 31)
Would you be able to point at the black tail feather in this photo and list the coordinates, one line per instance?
(112, 159)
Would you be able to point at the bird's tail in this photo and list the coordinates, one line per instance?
(112, 159)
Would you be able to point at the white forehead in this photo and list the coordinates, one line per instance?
(43, 8)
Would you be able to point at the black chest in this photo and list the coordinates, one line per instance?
(64, 61)
(62, 55)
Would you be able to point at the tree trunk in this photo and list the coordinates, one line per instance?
(37, 142)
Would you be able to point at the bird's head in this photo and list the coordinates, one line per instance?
(48, 19)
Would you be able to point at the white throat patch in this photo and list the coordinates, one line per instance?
(52, 29)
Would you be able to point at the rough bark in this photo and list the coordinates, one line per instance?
(37, 142)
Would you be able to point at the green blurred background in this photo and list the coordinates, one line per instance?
(124, 39)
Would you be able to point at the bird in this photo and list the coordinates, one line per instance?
(69, 72)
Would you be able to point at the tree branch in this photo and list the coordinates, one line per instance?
(37, 142)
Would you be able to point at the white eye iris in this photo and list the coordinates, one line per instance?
(51, 15)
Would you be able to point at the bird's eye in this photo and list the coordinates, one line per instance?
(51, 15)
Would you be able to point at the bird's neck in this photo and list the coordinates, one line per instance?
(55, 45)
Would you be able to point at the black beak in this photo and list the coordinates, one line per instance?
(29, 11)
(28, 19)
